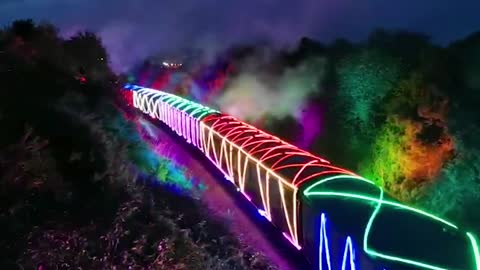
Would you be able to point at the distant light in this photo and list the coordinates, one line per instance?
(171, 65)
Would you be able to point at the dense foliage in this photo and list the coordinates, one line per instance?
(397, 109)
(403, 112)
(79, 187)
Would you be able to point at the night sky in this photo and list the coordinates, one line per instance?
(132, 29)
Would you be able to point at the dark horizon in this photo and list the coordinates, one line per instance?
(133, 30)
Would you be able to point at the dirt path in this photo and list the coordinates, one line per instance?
(223, 201)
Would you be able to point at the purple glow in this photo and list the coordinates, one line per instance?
(311, 120)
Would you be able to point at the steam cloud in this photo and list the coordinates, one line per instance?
(252, 97)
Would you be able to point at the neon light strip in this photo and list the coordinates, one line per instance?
(179, 103)
(323, 249)
(308, 192)
(324, 242)
(265, 147)
(148, 100)
(233, 134)
(389, 257)
(291, 218)
(380, 202)
(247, 197)
(179, 114)
(476, 252)
(264, 214)
(350, 253)
(291, 241)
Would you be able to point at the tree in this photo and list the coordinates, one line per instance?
(89, 57)
(364, 79)
(408, 46)
(456, 192)
(466, 54)
(404, 164)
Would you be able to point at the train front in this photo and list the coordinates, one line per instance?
(350, 223)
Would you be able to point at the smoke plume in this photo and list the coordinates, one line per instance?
(252, 95)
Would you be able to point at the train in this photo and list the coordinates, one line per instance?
(334, 217)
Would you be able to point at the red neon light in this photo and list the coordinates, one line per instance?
(272, 150)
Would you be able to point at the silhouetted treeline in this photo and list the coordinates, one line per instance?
(76, 178)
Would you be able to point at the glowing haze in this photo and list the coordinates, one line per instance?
(251, 96)
(135, 29)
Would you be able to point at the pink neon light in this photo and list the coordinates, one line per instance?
(247, 197)
(264, 214)
(266, 147)
(291, 241)
(286, 158)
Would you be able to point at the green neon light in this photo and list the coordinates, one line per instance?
(187, 105)
(369, 225)
(391, 203)
(331, 178)
(337, 177)
(370, 221)
(381, 202)
(307, 192)
(195, 110)
(385, 256)
(476, 253)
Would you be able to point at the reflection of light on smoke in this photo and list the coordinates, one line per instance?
(149, 128)
(252, 95)
(311, 119)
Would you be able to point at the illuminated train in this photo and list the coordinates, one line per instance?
(297, 192)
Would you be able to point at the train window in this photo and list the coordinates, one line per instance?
(405, 234)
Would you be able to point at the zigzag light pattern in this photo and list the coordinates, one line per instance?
(181, 115)
(271, 157)
(348, 259)
(380, 201)
(252, 148)
(224, 139)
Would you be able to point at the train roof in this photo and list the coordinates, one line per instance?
(296, 166)
(193, 109)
